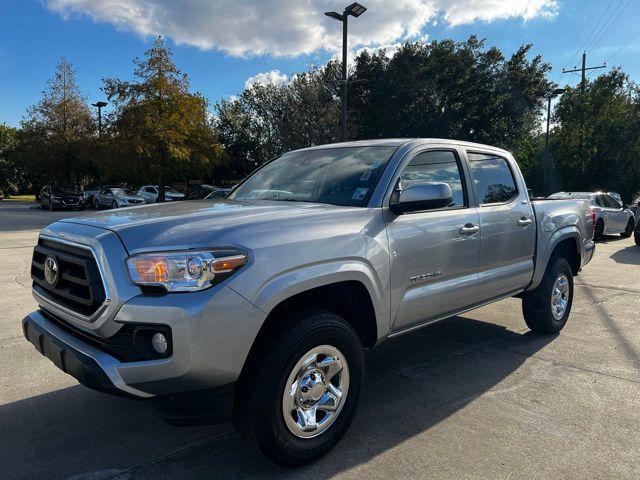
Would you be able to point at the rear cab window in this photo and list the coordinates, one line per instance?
(492, 178)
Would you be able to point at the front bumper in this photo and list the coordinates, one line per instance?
(98, 371)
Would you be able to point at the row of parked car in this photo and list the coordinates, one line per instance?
(54, 197)
(610, 214)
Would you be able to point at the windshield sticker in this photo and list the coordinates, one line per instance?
(365, 176)
(359, 194)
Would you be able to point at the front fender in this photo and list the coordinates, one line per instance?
(299, 280)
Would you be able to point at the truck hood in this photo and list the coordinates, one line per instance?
(223, 223)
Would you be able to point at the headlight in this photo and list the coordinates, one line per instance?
(188, 271)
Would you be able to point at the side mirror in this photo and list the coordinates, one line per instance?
(418, 196)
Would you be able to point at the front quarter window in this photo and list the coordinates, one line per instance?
(337, 176)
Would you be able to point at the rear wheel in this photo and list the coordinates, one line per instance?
(300, 392)
(636, 234)
(96, 204)
(598, 233)
(114, 204)
(547, 308)
(628, 231)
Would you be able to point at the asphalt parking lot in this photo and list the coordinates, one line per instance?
(476, 396)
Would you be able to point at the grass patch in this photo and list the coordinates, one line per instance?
(21, 198)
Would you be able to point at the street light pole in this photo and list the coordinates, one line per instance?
(355, 10)
(99, 105)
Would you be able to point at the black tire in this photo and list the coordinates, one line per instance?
(536, 305)
(598, 233)
(114, 204)
(636, 234)
(628, 231)
(51, 207)
(81, 208)
(96, 204)
(258, 411)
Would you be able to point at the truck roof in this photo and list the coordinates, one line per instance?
(402, 142)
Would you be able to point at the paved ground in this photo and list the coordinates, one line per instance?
(473, 397)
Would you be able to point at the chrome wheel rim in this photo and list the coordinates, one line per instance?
(315, 391)
(560, 296)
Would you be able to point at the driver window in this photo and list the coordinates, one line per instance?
(612, 202)
(438, 166)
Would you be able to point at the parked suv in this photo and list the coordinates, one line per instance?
(259, 305)
(53, 197)
(611, 216)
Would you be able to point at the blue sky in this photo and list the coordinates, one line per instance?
(223, 43)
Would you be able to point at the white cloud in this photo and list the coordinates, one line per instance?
(289, 27)
(273, 77)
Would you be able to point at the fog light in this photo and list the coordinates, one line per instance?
(159, 343)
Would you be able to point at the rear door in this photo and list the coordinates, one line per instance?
(617, 213)
(434, 259)
(506, 222)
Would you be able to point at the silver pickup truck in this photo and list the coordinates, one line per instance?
(259, 306)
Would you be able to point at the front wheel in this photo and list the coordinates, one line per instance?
(114, 204)
(636, 234)
(628, 231)
(300, 393)
(547, 308)
(96, 204)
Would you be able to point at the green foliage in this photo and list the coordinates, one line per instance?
(158, 129)
(597, 143)
(9, 172)
(55, 136)
(266, 120)
(439, 89)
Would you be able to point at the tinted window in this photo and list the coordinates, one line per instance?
(337, 176)
(611, 202)
(600, 201)
(438, 167)
(492, 178)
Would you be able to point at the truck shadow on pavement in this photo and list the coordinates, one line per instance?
(629, 255)
(413, 383)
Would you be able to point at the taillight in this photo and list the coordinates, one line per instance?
(593, 223)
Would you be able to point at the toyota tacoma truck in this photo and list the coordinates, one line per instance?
(258, 306)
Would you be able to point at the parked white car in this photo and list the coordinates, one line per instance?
(150, 194)
(115, 197)
(610, 215)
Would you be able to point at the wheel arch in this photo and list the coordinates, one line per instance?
(564, 243)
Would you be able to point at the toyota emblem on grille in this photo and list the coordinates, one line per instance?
(51, 270)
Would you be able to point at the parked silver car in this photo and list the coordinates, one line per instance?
(115, 197)
(150, 194)
(610, 215)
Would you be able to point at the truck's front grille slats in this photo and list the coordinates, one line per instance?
(79, 285)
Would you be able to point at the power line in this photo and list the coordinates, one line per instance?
(583, 70)
(604, 32)
(624, 46)
(584, 43)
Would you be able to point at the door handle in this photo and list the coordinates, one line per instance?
(524, 221)
(469, 229)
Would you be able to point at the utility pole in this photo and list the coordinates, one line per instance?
(583, 82)
(546, 159)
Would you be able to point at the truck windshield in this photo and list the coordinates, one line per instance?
(337, 176)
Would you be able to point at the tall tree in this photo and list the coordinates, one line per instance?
(268, 119)
(55, 134)
(597, 142)
(159, 129)
(9, 171)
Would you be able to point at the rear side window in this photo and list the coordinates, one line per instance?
(611, 202)
(492, 178)
(438, 166)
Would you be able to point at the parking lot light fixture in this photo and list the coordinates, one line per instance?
(355, 10)
(99, 106)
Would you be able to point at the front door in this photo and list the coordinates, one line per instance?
(434, 253)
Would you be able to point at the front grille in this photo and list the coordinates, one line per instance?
(79, 284)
